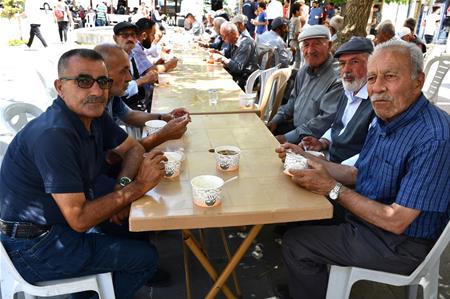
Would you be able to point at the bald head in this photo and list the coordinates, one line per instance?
(118, 66)
(229, 33)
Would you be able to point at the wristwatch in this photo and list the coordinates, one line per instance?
(334, 193)
(123, 181)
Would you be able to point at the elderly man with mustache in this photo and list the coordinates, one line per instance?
(399, 205)
(314, 100)
(47, 203)
(346, 136)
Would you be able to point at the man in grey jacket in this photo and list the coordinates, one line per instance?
(312, 105)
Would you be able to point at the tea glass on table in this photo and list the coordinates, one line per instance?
(247, 100)
(213, 96)
(227, 157)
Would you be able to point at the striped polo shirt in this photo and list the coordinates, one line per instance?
(407, 161)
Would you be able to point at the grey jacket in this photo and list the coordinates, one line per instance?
(313, 102)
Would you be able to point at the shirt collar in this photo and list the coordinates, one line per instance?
(387, 128)
(362, 94)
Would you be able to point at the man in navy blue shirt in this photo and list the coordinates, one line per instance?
(400, 204)
(47, 203)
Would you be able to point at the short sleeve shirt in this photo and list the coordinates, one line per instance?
(54, 153)
(407, 161)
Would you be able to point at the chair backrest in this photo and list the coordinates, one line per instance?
(263, 77)
(251, 81)
(267, 56)
(17, 115)
(273, 93)
(443, 66)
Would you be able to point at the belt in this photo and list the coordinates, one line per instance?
(24, 230)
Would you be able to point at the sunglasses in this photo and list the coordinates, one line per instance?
(86, 81)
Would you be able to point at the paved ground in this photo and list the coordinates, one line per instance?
(26, 75)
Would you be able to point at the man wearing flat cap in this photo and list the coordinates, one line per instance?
(313, 102)
(275, 39)
(346, 136)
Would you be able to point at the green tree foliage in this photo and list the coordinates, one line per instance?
(12, 7)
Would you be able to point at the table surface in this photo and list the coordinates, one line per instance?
(262, 193)
(188, 84)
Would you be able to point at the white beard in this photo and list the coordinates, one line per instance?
(354, 86)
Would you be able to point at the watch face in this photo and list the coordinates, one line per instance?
(124, 181)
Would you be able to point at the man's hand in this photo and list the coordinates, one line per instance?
(171, 64)
(151, 171)
(175, 128)
(175, 113)
(311, 143)
(223, 60)
(281, 139)
(120, 216)
(316, 179)
(150, 76)
(282, 149)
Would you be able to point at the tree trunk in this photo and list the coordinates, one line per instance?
(356, 15)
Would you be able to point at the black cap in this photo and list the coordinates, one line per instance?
(124, 25)
(356, 44)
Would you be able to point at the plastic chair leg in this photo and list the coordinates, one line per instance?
(412, 291)
(28, 296)
(339, 283)
(106, 288)
(431, 283)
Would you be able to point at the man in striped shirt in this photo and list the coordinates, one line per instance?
(400, 204)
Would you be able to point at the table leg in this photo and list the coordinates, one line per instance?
(190, 241)
(234, 261)
(187, 276)
(227, 250)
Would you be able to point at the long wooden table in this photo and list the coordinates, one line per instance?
(262, 193)
(188, 86)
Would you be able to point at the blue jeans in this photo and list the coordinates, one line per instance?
(64, 253)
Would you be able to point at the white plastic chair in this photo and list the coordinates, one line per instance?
(426, 274)
(17, 115)
(3, 148)
(273, 93)
(442, 69)
(11, 282)
(251, 81)
(263, 77)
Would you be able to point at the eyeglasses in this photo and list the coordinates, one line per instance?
(86, 81)
(127, 34)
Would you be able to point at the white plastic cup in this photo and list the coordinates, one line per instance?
(247, 100)
(227, 157)
(206, 190)
(173, 164)
(153, 126)
(294, 162)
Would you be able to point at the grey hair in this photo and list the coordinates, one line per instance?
(411, 49)
(229, 27)
(89, 54)
(219, 21)
(386, 27)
